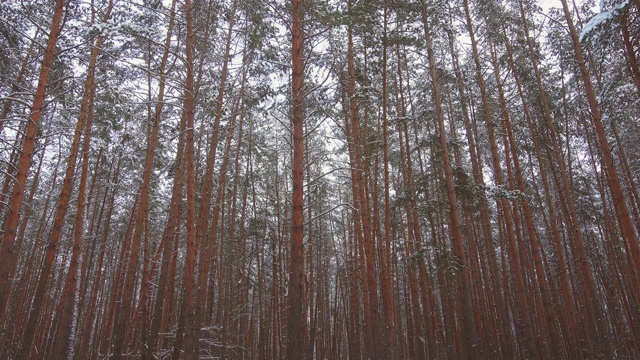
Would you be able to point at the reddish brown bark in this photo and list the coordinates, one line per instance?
(92, 309)
(504, 335)
(62, 340)
(622, 212)
(191, 337)
(296, 264)
(620, 205)
(372, 321)
(8, 252)
(525, 327)
(203, 237)
(568, 303)
(387, 285)
(511, 153)
(83, 124)
(464, 285)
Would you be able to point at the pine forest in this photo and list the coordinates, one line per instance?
(320, 179)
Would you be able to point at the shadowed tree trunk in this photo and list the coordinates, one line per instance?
(191, 336)
(295, 322)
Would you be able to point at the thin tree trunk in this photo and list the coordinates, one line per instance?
(550, 321)
(464, 284)
(387, 284)
(62, 341)
(203, 237)
(372, 321)
(92, 308)
(83, 123)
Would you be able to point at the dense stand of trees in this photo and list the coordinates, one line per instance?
(318, 179)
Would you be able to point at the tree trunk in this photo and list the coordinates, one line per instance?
(295, 322)
(203, 236)
(191, 337)
(464, 285)
(62, 342)
(8, 252)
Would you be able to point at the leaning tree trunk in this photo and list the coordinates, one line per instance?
(8, 252)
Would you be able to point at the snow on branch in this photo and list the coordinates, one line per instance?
(594, 27)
